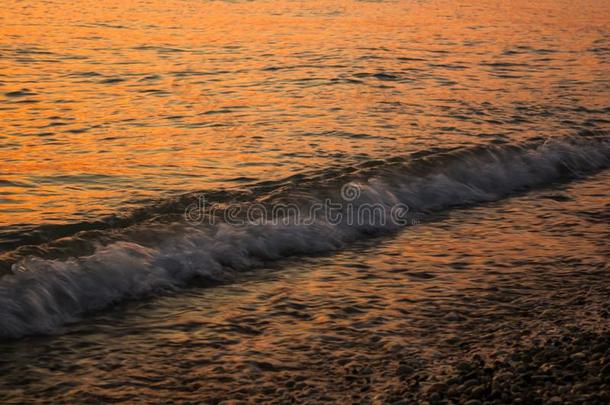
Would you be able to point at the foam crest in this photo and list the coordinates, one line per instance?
(41, 294)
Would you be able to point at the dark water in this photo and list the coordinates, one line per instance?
(469, 278)
(479, 132)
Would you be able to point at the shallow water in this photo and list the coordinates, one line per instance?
(489, 123)
(490, 277)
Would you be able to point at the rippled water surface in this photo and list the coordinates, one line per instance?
(493, 277)
(488, 121)
(106, 107)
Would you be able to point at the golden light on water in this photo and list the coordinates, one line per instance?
(132, 99)
(485, 122)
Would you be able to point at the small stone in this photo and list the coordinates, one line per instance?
(579, 356)
(579, 387)
(478, 391)
(468, 384)
(405, 370)
(453, 391)
(503, 376)
(454, 316)
(437, 388)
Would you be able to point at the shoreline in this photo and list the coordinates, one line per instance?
(447, 312)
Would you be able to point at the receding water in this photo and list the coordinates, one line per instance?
(489, 121)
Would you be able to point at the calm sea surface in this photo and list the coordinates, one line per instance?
(489, 121)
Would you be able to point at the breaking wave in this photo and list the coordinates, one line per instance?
(54, 283)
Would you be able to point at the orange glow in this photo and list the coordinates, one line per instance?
(165, 97)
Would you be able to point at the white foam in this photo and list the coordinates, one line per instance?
(41, 294)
